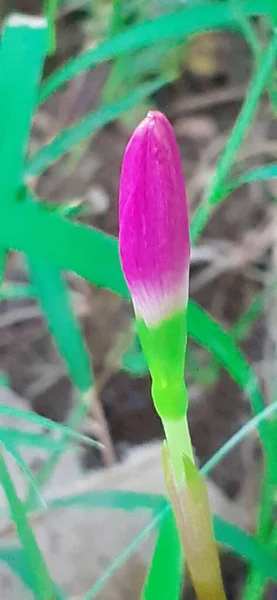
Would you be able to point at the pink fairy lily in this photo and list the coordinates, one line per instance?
(154, 233)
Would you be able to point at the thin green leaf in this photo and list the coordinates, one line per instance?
(23, 46)
(43, 585)
(233, 441)
(11, 435)
(164, 579)
(213, 196)
(10, 411)
(184, 23)
(15, 559)
(128, 501)
(51, 8)
(15, 452)
(78, 132)
(54, 298)
(252, 176)
(29, 228)
(208, 333)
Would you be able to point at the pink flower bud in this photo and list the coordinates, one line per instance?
(154, 233)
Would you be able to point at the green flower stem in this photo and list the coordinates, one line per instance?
(164, 346)
(179, 444)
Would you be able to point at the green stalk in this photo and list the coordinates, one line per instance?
(179, 444)
(51, 8)
(44, 585)
(243, 122)
(255, 586)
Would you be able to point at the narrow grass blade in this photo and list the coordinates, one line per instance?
(44, 586)
(31, 229)
(259, 174)
(67, 432)
(54, 298)
(184, 23)
(208, 333)
(15, 452)
(78, 132)
(164, 579)
(213, 195)
(15, 560)
(23, 46)
(51, 8)
(233, 441)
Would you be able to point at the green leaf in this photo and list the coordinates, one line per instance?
(55, 302)
(164, 579)
(208, 333)
(67, 432)
(15, 559)
(252, 176)
(22, 53)
(182, 24)
(29, 228)
(11, 435)
(213, 195)
(235, 439)
(51, 8)
(78, 132)
(42, 582)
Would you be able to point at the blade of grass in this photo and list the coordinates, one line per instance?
(12, 449)
(233, 441)
(54, 299)
(183, 23)
(11, 435)
(213, 195)
(10, 411)
(15, 559)
(23, 45)
(164, 579)
(251, 37)
(208, 333)
(259, 174)
(78, 132)
(44, 586)
(50, 11)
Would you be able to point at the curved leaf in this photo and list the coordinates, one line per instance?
(78, 132)
(185, 23)
(207, 332)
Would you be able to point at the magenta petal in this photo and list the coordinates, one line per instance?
(154, 233)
